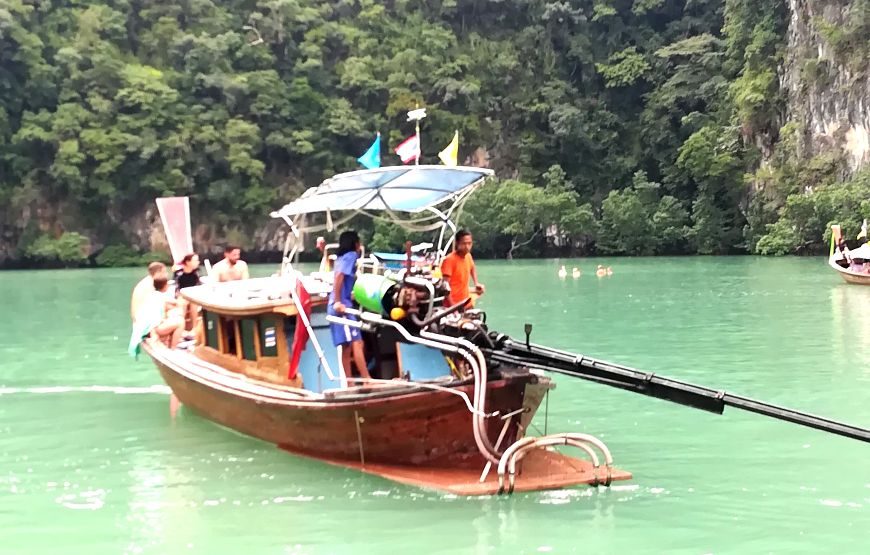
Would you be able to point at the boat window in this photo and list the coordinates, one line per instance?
(268, 326)
(248, 334)
(229, 330)
(211, 321)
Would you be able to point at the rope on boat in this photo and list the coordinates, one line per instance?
(357, 420)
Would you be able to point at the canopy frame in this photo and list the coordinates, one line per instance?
(438, 215)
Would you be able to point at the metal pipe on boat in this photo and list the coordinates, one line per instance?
(502, 463)
(437, 316)
(307, 323)
(478, 369)
(542, 442)
(588, 438)
(374, 318)
(450, 344)
(429, 287)
(508, 460)
(507, 418)
(412, 385)
(480, 380)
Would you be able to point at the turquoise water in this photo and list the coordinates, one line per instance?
(92, 463)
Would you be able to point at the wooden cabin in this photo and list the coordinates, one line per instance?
(249, 328)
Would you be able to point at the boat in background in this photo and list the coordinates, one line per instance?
(852, 272)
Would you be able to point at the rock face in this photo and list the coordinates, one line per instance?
(262, 239)
(826, 77)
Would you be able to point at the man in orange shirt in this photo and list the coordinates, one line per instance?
(457, 267)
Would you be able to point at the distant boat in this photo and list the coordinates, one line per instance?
(861, 253)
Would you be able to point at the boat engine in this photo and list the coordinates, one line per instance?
(411, 300)
(415, 302)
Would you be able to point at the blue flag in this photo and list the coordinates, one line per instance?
(372, 157)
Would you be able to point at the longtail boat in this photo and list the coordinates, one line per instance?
(838, 257)
(450, 401)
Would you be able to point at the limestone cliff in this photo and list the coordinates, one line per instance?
(825, 78)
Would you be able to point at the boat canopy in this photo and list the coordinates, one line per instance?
(409, 189)
(861, 253)
(428, 196)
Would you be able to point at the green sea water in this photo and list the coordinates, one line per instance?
(92, 463)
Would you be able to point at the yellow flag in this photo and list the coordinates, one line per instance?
(450, 154)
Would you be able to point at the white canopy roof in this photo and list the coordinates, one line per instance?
(862, 252)
(397, 188)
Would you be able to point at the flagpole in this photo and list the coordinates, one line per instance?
(416, 115)
(419, 141)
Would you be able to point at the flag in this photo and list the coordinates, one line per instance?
(175, 215)
(372, 157)
(450, 154)
(300, 336)
(863, 230)
(409, 150)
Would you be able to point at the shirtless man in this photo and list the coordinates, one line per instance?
(231, 268)
(145, 286)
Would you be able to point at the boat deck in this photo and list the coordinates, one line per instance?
(541, 470)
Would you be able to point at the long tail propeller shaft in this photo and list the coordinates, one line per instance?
(552, 360)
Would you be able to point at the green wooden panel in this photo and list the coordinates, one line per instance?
(268, 336)
(246, 329)
(212, 321)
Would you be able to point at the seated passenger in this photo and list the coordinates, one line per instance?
(170, 328)
(188, 276)
(347, 339)
(145, 287)
(231, 268)
(157, 317)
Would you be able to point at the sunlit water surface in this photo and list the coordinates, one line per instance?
(92, 463)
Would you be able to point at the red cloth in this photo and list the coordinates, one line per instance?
(300, 336)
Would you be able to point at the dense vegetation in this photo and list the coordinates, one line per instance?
(619, 126)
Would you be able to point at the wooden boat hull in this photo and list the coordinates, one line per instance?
(419, 428)
(849, 276)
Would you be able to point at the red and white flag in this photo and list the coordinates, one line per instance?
(409, 150)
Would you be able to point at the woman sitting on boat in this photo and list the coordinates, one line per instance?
(346, 339)
(187, 276)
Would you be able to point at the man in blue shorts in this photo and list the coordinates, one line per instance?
(347, 339)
